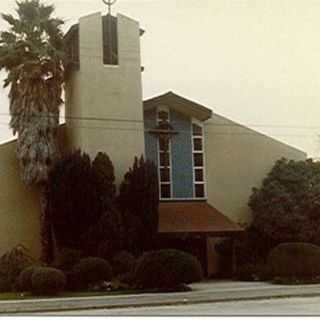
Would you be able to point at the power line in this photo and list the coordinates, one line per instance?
(214, 133)
(107, 119)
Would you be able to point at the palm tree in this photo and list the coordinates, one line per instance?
(32, 54)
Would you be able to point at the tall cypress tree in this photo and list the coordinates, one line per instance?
(139, 203)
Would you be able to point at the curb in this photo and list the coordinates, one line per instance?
(22, 310)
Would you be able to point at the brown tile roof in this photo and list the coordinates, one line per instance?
(194, 217)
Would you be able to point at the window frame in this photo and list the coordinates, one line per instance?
(203, 167)
(169, 152)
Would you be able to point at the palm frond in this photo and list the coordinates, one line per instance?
(7, 37)
(9, 19)
(32, 52)
(28, 10)
(45, 11)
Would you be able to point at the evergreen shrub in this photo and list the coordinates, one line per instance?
(92, 270)
(123, 262)
(295, 260)
(68, 258)
(166, 269)
(47, 281)
(25, 278)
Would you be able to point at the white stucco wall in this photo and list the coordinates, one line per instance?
(237, 159)
(110, 94)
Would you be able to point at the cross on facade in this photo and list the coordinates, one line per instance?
(109, 3)
(164, 132)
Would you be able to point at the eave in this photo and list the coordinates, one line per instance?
(180, 104)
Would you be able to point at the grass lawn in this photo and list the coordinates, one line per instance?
(75, 294)
(27, 295)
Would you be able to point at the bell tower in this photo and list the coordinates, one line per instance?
(104, 109)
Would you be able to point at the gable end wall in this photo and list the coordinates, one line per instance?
(238, 159)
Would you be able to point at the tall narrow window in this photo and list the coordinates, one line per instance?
(110, 40)
(198, 161)
(164, 158)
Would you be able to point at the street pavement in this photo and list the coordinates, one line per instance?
(275, 307)
(209, 292)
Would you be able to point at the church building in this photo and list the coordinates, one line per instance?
(207, 164)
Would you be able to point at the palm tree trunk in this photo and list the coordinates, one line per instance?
(45, 227)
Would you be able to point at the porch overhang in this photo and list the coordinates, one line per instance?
(196, 218)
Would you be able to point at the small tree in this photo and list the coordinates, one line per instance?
(287, 206)
(105, 238)
(78, 196)
(139, 202)
(103, 171)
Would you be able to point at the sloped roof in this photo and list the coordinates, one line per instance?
(180, 104)
(196, 217)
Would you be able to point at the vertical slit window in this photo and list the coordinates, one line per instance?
(199, 191)
(164, 157)
(165, 175)
(198, 161)
(110, 40)
(165, 191)
(199, 176)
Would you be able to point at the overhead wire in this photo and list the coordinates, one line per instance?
(109, 119)
(147, 130)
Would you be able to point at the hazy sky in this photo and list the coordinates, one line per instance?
(254, 61)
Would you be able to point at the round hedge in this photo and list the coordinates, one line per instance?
(25, 278)
(47, 281)
(93, 270)
(166, 269)
(123, 262)
(253, 272)
(297, 260)
(5, 284)
(74, 282)
(68, 258)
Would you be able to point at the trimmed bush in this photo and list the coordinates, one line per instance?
(127, 278)
(93, 270)
(25, 278)
(5, 284)
(295, 260)
(11, 265)
(296, 281)
(48, 281)
(246, 272)
(166, 269)
(123, 262)
(264, 272)
(253, 272)
(74, 282)
(68, 258)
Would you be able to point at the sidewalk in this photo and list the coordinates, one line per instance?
(202, 293)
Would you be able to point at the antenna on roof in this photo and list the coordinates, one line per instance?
(109, 3)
